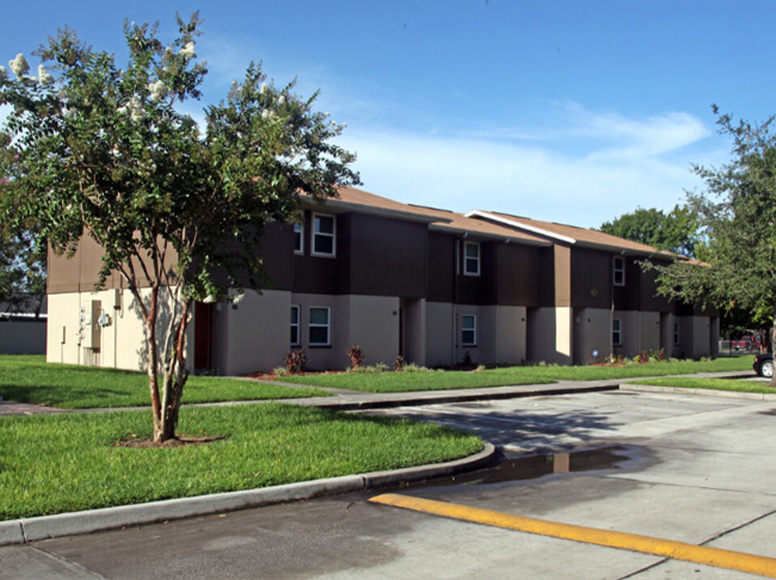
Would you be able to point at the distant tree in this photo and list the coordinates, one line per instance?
(22, 260)
(107, 153)
(737, 214)
(675, 232)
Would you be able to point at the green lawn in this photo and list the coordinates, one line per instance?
(58, 463)
(29, 379)
(389, 382)
(714, 384)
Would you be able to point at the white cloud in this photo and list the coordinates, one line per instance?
(597, 168)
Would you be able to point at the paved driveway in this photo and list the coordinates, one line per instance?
(693, 469)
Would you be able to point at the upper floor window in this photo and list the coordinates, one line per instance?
(471, 258)
(617, 332)
(469, 330)
(324, 235)
(298, 239)
(618, 271)
(320, 326)
(295, 337)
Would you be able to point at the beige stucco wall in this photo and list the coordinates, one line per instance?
(511, 334)
(121, 344)
(550, 335)
(592, 335)
(252, 335)
(650, 331)
(414, 328)
(440, 334)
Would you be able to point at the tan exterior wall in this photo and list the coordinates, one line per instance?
(549, 335)
(511, 329)
(414, 329)
(372, 322)
(440, 334)
(120, 344)
(631, 333)
(650, 331)
(252, 335)
(23, 336)
(592, 335)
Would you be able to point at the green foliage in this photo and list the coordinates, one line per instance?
(675, 232)
(737, 214)
(97, 150)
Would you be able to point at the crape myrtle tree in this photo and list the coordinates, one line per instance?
(737, 213)
(108, 153)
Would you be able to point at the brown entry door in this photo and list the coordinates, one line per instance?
(203, 336)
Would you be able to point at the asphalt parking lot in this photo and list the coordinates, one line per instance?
(686, 468)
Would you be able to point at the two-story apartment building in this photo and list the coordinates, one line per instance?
(434, 286)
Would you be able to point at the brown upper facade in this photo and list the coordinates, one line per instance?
(364, 244)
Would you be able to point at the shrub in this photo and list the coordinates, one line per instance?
(356, 356)
(399, 363)
(296, 361)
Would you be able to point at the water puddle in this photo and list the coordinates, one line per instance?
(613, 457)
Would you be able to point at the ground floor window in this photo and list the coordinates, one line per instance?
(617, 332)
(677, 336)
(320, 326)
(295, 337)
(468, 330)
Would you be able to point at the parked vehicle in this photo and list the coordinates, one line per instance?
(763, 365)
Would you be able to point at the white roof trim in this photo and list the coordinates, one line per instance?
(506, 221)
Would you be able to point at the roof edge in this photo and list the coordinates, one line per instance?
(505, 221)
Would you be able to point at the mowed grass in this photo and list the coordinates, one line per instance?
(713, 384)
(392, 382)
(75, 461)
(29, 379)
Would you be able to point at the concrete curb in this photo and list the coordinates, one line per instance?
(699, 392)
(26, 530)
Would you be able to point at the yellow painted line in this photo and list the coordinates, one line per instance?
(677, 550)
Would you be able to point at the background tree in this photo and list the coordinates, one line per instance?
(103, 152)
(22, 260)
(737, 214)
(675, 232)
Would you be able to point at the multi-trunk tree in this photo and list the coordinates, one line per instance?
(96, 150)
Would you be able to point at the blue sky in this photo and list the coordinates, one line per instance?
(560, 110)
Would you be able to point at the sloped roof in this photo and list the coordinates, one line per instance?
(570, 234)
(352, 199)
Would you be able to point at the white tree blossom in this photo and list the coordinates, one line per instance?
(158, 90)
(188, 51)
(44, 77)
(19, 65)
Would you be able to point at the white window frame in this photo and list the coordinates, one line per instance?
(472, 330)
(317, 234)
(299, 234)
(475, 259)
(311, 325)
(618, 267)
(296, 325)
(617, 332)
